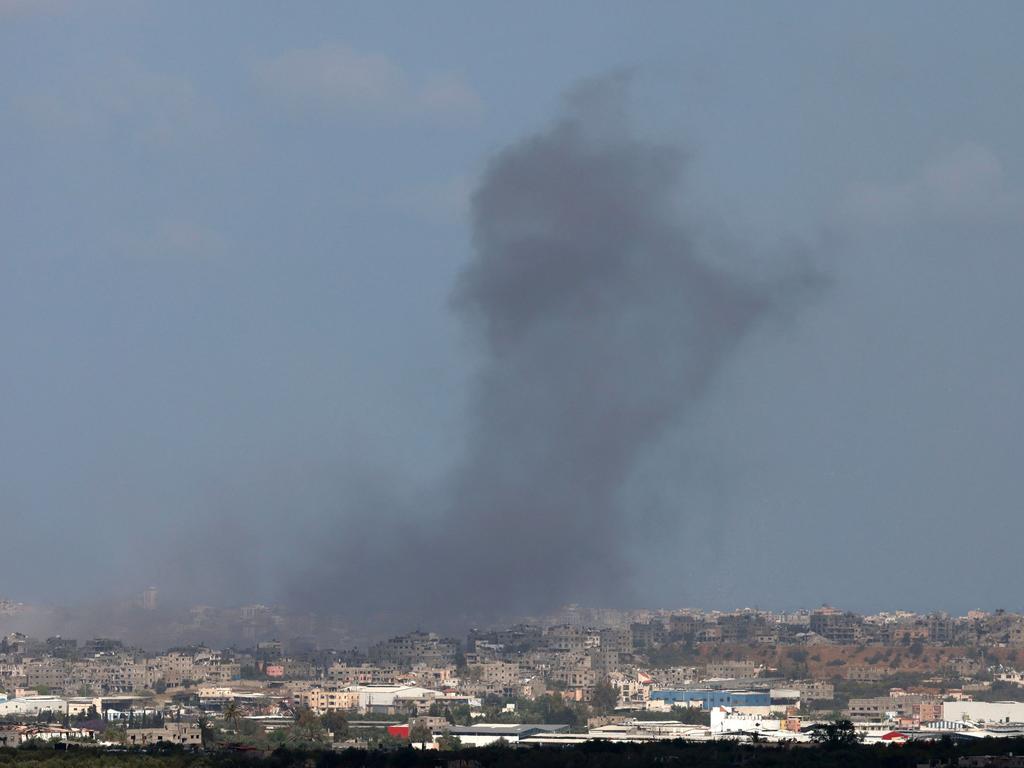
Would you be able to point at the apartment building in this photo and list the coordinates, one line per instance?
(326, 699)
(836, 626)
(731, 670)
(816, 690)
(675, 677)
(415, 648)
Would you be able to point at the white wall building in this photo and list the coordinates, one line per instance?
(33, 706)
(987, 711)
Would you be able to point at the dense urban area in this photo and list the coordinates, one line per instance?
(580, 678)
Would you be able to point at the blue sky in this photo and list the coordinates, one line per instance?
(229, 234)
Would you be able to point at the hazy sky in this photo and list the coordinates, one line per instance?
(230, 234)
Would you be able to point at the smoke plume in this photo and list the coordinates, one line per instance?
(599, 329)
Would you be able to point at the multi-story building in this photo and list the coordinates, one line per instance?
(675, 677)
(581, 675)
(567, 638)
(174, 667)
(896, 705)
(326, 699)
(12, 675)
(503, 673)
(866, 674)
(816, 690)
(48, 674)
(364, 674)
(415, 648)
(646, 636)
(835, 625)
(731, 670)
(617, 640)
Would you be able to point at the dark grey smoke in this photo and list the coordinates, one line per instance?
(600, 328)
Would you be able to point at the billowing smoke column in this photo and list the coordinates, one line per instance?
(600, 328)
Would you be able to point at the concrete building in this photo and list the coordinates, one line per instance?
(835, 625)
(675, 677)
(867, 674)
(816, 690)
(415, 648)
(731, 670)
(329, 699)
(186, 734)
(905, 705)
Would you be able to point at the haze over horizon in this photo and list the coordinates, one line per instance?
(393, 312)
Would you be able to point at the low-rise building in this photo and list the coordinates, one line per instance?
(13, 735)
(186, 734)
(984, 711)
(33, 706)
(482, 734)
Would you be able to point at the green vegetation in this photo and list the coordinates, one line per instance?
(420, 734)
(604, 698)
(336, 723)
(1000, 691)
(837, 735)
(448, 743)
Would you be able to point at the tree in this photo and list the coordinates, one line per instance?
(605, 697)
(461, 715)
(840, 733)
(692, 715)
(446, 742)
(116, 733)
(307, 728)
(250, 732)
(336, 723)
(232, 714)
(205, 725)
(420, 734)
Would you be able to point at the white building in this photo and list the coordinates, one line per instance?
(14, 735)
(730, 721)
(33, 706)
(385, 698)
(482, 734)
(984, 711)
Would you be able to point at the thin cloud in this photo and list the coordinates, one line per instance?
(337, 77)
(964, 184)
